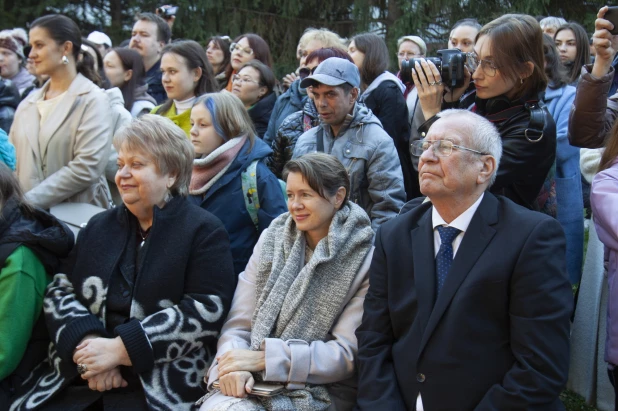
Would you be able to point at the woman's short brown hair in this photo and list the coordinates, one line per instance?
(517, 39)
(165, 143)
(324, 173)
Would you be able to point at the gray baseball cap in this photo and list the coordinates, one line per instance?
(334, 71)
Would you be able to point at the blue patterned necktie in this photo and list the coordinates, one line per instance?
(444, 259)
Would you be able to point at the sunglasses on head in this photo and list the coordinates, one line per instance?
(306, 72)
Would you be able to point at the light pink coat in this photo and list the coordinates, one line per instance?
(320, 362)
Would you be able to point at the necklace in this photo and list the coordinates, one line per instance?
(143, 234)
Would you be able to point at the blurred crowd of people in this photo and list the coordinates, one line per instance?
(181, 229)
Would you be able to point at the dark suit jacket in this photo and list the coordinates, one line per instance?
(497, 338)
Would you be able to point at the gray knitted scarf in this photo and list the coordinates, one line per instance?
(302, 301)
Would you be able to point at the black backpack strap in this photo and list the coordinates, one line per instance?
(534, 132)
(319, 140)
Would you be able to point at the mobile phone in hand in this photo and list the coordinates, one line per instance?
(612, 15)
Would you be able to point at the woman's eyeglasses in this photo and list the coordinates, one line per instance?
(242, 50)
(306, 72)
(488, 67)
(241, 80)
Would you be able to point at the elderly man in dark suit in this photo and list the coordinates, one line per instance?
(469, 301)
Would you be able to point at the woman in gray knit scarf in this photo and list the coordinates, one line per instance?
(299, 300)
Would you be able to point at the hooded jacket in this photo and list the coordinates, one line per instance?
(9, 100)
(225, 199)
(369, 156)
(31, 248)
(288, 133)
(384, 97)
(292, 100)
(260, 113)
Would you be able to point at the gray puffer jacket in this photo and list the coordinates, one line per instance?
(369, 156)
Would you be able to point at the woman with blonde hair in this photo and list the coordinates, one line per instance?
(295, 97)
(135, 318)
(228, 167)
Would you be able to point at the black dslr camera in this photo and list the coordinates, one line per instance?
(167, 12)
(450, 64)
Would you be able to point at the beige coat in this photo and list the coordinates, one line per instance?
(68, 166)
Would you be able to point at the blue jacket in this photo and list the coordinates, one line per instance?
(7, 150)
(568, 179)
(225, 200)
(287, 103)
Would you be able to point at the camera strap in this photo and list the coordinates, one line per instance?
(534, 130)
(319, 140)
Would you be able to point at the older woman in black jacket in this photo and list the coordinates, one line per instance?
(139, 313)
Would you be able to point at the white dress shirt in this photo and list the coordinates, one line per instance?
(461, 222)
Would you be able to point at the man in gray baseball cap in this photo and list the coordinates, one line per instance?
(351, 132)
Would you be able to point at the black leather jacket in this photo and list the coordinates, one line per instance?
(528, 134)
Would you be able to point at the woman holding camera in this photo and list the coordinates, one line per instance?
(299, 300)
(509, 80)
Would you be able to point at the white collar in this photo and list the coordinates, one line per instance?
(462, 221)
(182, 106)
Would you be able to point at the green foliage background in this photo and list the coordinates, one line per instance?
(281, 22)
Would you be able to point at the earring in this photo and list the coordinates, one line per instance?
(521, 81)
(65, 60)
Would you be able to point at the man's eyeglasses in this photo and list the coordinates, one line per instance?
(488, 67)
(441, 148)
(241, 80)
(237, 47)
(306, 72)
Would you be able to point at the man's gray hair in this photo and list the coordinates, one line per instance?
(481, 133)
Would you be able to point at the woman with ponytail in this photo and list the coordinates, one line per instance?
(186, 75)
(61, 132)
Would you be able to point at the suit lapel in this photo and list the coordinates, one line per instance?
(474, 242)
(423, 260)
